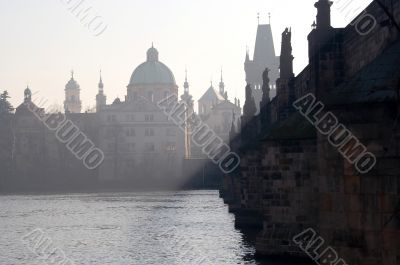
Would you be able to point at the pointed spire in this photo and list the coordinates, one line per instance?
(222, 85)
(72, 74)
(101, 99)
(186, 84)
(269, 18)
(101, 85)
(258, 18)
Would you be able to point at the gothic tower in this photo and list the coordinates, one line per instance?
(264, 57)
(101, 98)
(72, 101)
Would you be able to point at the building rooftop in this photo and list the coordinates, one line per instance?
(152, 71)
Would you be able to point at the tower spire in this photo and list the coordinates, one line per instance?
(101, 85)
(269, 18)
(222, 86)
(186, 84)
(72, 102)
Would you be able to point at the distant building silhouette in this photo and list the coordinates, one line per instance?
(264, 57)
(216, 110)
(135, 134)
(101, 99)
(72, 101)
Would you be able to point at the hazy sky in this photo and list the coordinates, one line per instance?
(41, 41)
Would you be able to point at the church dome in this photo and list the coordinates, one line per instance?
(72, 84)
(152, 71)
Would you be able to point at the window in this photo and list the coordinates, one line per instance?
(130, 117)
(111, 118)
(149, 147)
(149, 117)
(149, 132)
(130, 132)
(135, 97)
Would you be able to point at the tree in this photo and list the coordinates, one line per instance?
(55, 108)
(6, 139)
(90, 109)
(5, 105)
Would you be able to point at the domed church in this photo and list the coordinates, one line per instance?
(152, 79)
(135, 135)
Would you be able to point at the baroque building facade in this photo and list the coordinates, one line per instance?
(138, 139)
(141, 145)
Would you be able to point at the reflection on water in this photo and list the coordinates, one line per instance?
(125, 228)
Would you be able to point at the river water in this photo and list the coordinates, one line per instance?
(166, 228)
